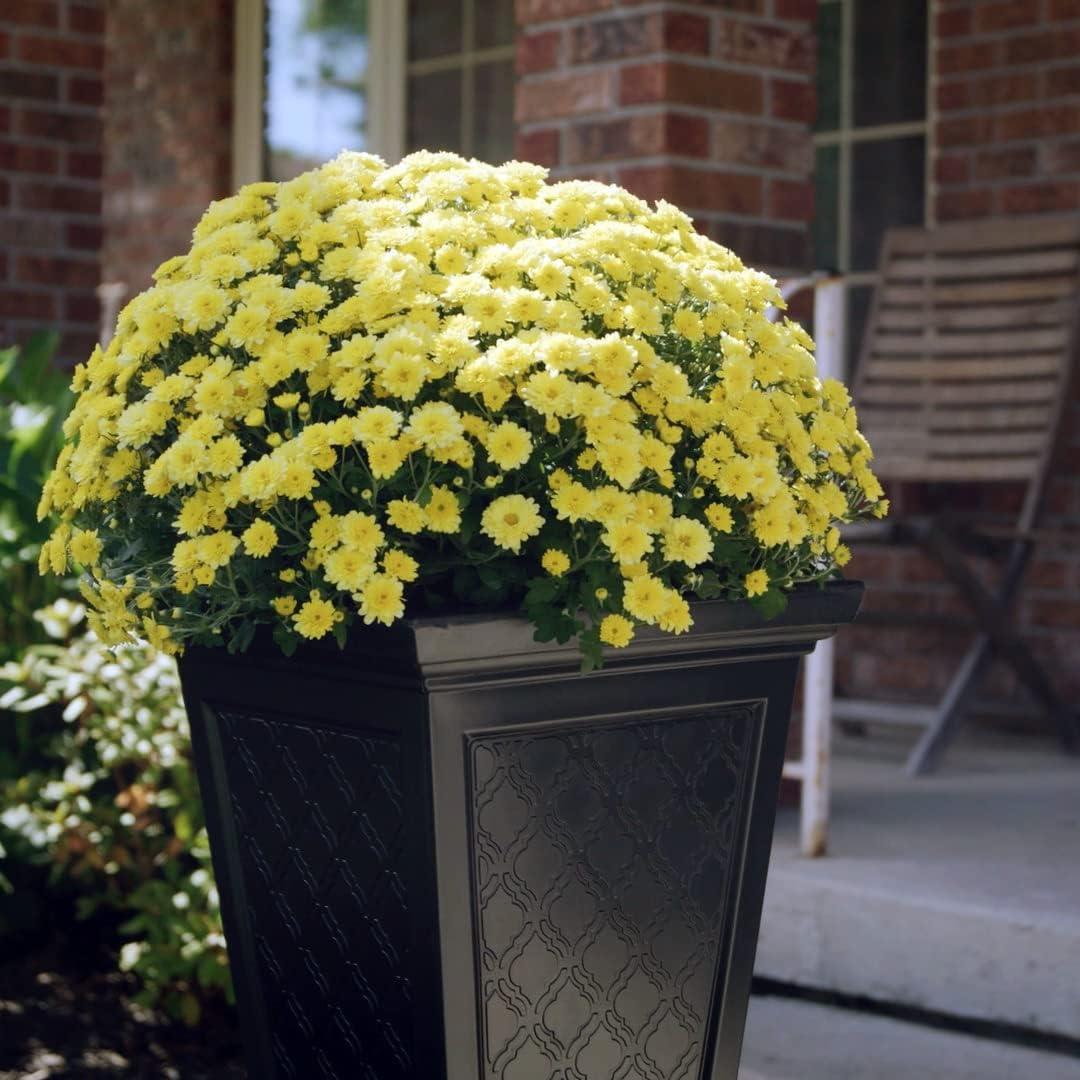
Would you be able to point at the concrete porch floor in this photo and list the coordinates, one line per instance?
(957, 893)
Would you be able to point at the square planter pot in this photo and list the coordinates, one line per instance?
(444, 854)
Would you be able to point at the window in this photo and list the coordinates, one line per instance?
(870, 142)
(390, 76)
(316, 59)
(460, 77)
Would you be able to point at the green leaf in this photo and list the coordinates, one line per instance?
(771, 603)
(491, 576)
(240, 639)
(285, 639)
(542, 590)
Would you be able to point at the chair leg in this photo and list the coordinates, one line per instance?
(926, 755)
(1030, 672)
(992, 612)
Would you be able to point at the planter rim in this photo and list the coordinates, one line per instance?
(467, 648)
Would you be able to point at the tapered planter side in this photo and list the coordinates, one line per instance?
(443, 854)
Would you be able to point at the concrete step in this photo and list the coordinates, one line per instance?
(799, 1040)
(955, 893)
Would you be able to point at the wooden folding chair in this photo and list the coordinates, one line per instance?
(963, 379)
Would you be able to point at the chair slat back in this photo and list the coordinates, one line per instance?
(967, 353)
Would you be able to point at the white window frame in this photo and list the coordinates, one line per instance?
(384, 83)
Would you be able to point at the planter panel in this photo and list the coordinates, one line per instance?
(319, 821)
(603, 856)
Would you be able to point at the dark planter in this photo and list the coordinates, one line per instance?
(444, 854)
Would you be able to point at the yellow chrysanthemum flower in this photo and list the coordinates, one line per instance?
(616, 630)
(315, 619)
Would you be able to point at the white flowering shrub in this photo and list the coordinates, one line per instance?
(115, 810)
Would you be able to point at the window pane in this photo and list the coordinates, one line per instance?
(493, 119)
(316, 56)
(828, 66)
(889, 61)
(826, 195)
(887, 189)
(494, 23)
(434, 111)
(434, 28)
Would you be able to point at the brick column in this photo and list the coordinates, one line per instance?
(167, 128)
(51, 59)
(1008, 99)
(707, 105)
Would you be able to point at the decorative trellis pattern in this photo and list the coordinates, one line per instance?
(319, 818)
(603, 859)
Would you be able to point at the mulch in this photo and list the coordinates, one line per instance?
(67, 1013)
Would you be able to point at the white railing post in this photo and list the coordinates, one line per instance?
(813, 770)
(818, 671)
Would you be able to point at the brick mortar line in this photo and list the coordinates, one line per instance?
(985, 74)
(1048, 26)
(651, 109)
(977, 74)
(705, 165)
(81, 182)
(76, 108)
(1008, 109)
(658, 7)
(56, 33)
(1009, 182)
(705, 63)
(1035, 142)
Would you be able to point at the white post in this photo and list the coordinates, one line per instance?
(829, 325)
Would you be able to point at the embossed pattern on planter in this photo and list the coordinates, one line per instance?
(319, 818)
(603, 860)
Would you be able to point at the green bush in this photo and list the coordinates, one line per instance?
(34, 400)
(114, 810)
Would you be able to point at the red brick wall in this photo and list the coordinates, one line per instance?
(1008, 99)
(51, 59)
(168, 97)
(706, 104)
(1007, 143)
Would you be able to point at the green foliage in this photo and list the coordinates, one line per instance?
(113, 809)
(34, 400)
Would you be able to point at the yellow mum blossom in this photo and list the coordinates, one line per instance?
(646, 598)
(511, 520)
(85, 546)
(381, 599)
(259, 538)
(366, 375)
(719, 517)
(616, 630)
(508, 445)
(315, 619)
(443, 511)
(406, 515)
(555, 562)
(686, 541)
(400, 565)
(756, 582)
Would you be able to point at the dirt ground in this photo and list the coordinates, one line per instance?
(67, 1014)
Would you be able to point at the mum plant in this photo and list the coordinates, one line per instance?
(375, 389)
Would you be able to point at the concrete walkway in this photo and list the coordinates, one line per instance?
(958, 893)
(797, 1040)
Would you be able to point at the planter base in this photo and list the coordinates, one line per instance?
(444, 854)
